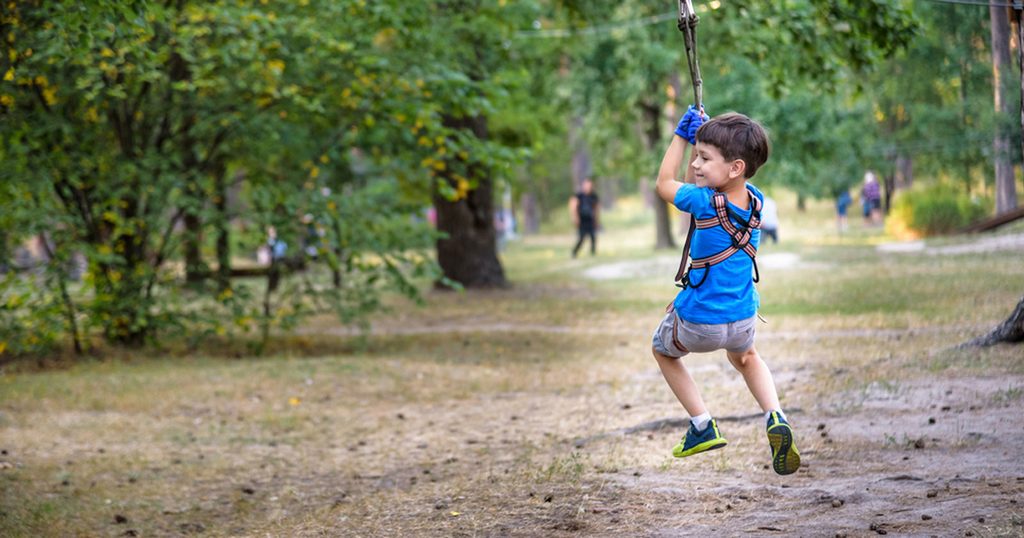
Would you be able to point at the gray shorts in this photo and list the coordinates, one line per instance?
(676, 337)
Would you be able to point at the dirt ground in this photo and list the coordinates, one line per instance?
(934, 456)
(538, 411)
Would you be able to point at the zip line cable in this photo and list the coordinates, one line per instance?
(602, 29)
(597, 29)
(1019, 4)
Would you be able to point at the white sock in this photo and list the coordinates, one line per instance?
(701, 421)
(779, 411)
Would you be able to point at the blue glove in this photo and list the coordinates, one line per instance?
(692, 120)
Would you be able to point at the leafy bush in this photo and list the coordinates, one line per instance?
(937, 209)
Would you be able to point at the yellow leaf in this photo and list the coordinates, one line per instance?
(3, 347)
(424, 141)
(455, 514)
(314, 172)
(6, 100)
(50, 95)
(9, 75)
(325, 159)
(107, 53)
(92, 115)
(293, 401)
(277, 66)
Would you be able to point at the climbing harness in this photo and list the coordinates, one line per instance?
(740, 237)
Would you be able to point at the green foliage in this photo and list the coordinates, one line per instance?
(938, 209)
(124, 123)
(30, 316)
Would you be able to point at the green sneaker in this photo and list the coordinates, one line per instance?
(695, 442)
(785, 457)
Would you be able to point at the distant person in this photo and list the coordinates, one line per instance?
(770, 219)
(843, 202)
(585, 213)
(273, 250)
(871, 199)
(717, 307)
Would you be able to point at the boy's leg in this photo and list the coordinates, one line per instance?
(757, 376)
(785, 456)
(681, 383)
(593, 240)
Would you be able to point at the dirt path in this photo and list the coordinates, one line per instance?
(930, 459)
(928, 455)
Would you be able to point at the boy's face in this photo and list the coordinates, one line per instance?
(713, 170)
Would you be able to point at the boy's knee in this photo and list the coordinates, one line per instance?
(743, 359)
(661, 357)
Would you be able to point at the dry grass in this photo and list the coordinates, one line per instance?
(462, 418)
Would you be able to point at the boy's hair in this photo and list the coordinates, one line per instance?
(737, 137)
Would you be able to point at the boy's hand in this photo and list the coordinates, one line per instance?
(692, 120)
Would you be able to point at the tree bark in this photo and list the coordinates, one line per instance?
(1018, 17)
(220, 204)
(468, 252)
(904, 172)
(1006, 195)
(581, 167)
(1009, 331)
(529, 213)
(889, 182)
(663, 226)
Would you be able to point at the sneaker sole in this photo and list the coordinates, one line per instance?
(785, 458)
(706, 446)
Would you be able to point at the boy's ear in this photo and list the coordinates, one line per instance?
(737, 168)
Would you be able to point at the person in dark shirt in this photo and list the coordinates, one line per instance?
(585, 210)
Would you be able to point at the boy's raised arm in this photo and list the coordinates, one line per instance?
(685, 135)
(667, 185)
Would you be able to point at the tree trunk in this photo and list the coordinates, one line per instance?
(1018, 15)
(904, 172)
(581, 167)
(1006, 188)
(663, 225)
(223, 223)
(889, 182)
(195, 269)
(468, 252)
(1009, 331)
(529, 214)
(801, 202)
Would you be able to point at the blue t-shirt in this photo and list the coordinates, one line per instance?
(728, 293)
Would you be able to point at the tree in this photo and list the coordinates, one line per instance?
(1009, 331)
(121, 119)
(1006, 190)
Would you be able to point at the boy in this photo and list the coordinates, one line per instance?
(718, 304)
